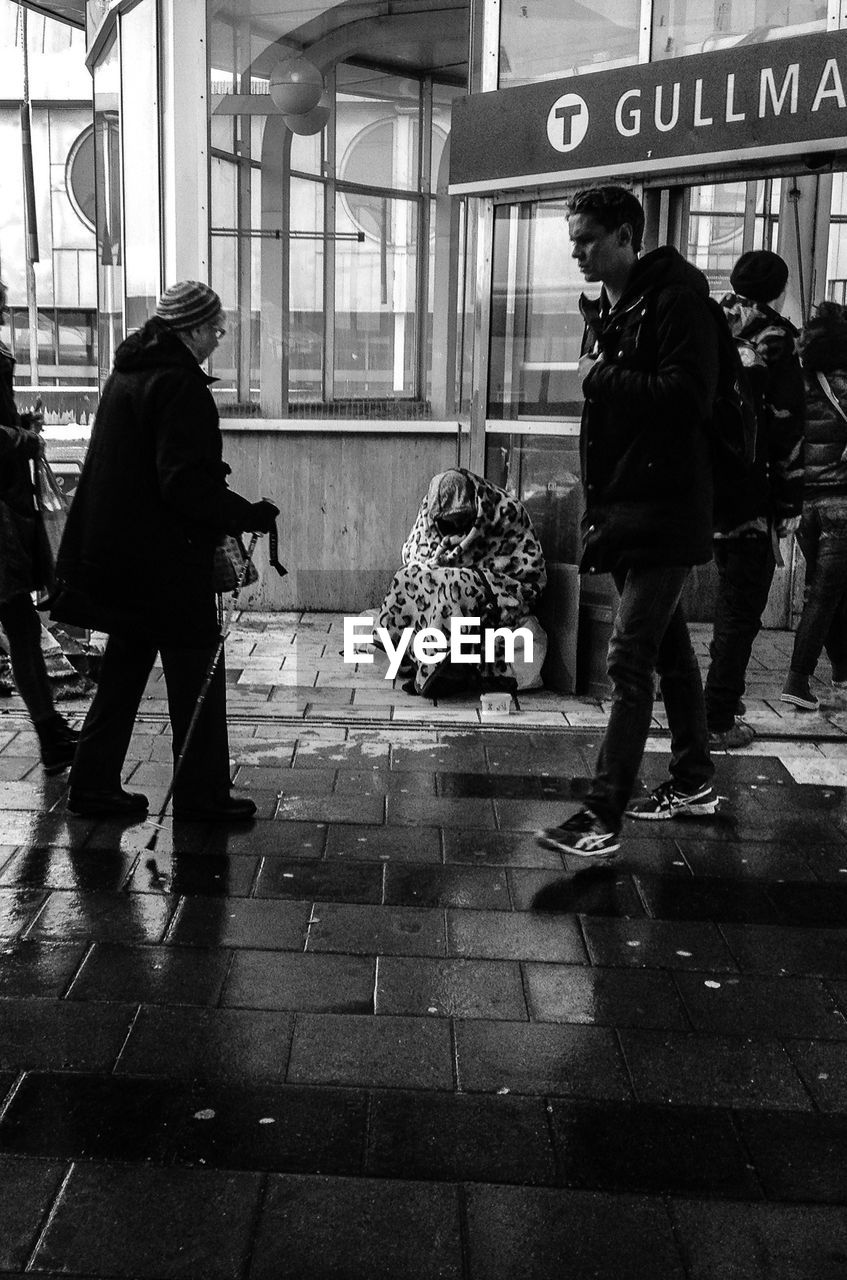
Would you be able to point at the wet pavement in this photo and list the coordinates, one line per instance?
(380, 1034)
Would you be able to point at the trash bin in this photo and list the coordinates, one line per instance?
(596, 615)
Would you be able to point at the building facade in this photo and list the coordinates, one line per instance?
(379, 193)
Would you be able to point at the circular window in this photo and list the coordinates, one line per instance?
(80, 168)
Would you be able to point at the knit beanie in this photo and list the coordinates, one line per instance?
(759, 275)
(188, 304)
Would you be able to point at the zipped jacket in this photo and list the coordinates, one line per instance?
(646, 457)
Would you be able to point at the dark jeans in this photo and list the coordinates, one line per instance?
(22, 625)
(204, 777)
(823, 540)
(650, 634)
(745, 572)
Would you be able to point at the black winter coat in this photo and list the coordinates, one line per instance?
(824, 348)
(137, 554)
(646, 463)
(18, 569)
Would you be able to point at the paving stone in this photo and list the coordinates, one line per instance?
(823, 1068)
(321, 983)
(518, 936)
(514, 1057)
(603, 891)
(369, 930)
(780, 949)
(103, 917)
(760, 1241)
(75, 1116)
(239, 922)
(652, 1149)
(18, 909)
(313, 881)
(104, 1220)
(456, 886)
(316, 1228)
(497, 849)
(207, 1044)
(798, 1156)
(540, 1233)
(412, 1053)
(285, 1129)
(657, 944)
(696, 1070)
(436, 1137)
(209, 874)
(450, 988)
(757, 1006)
(37, 969)
(81, 869)
(604, 997)
(57, 1035)
(27, 1190)
(152, 975)
(378, 843)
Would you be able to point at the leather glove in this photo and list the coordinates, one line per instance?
(262, 516)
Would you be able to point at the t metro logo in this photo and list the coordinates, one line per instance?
(567, 123)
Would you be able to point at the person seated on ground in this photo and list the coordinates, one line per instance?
(472, 553)
(823, 525)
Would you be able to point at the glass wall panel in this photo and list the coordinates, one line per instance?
(681, 27)
(139, 106)
(337, 318)
(716, 231)
(543, 473)
(375, 297)
(545, 39)
(536, 328)
(836, 265)
(107, 171)
(306, 348)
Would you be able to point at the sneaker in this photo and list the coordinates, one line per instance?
(583, 835)
(737, 735)
(667, 801)
(797, 692)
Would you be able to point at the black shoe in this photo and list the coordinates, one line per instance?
(583, 834)
(106, 804)
(233, 809)
(57, 742)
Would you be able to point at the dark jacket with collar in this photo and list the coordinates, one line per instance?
(646, 462)
(137, 554)
(823, 346)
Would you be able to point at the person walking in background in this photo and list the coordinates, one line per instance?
(765, 502)
(649, 373)
(823, 526)
(136, 559)
(20, 444)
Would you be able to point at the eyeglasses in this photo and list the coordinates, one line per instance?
(220, 330)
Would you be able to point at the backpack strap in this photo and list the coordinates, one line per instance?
(830, 395)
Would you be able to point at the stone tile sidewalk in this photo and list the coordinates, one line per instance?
(380, 1034)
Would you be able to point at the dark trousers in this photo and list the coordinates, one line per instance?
(204, 777)
(650, 634)
(745, 572)
(823, 540)
(22, 625)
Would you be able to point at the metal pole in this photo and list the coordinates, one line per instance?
(30, 221)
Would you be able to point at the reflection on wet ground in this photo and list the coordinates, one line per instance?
(380, 1033)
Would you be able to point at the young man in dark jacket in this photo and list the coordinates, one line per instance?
(649, 373)
(137, 556)
(766, 502)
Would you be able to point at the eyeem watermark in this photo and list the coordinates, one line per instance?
(465, 644)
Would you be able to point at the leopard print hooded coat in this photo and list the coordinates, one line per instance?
(491, 567)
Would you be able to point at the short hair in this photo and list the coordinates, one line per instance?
(611, 207)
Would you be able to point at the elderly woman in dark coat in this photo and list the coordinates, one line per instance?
(137, 558)
(472, 552)
(20, 573)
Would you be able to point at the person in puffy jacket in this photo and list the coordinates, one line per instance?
(20, 444)
(137, 555)
(649, 374)
(768, 498)
(823, 527)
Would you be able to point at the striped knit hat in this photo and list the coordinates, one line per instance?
(188, 304)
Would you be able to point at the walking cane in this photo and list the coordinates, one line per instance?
(226, 623)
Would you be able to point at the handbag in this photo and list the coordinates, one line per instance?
(229, 562)
(51, 508)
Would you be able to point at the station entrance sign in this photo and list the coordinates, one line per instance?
(749, 103)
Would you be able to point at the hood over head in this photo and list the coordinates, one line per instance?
(155, 346)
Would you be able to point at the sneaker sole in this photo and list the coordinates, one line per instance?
(546, 842)
(802, 703)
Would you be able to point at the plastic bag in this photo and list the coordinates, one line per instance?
(52, 511)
